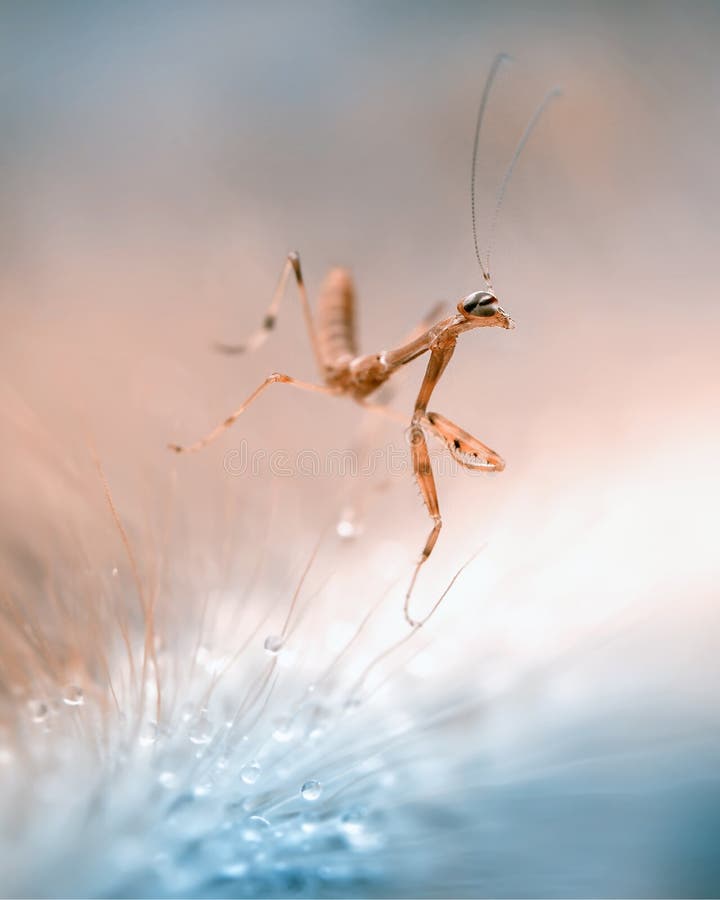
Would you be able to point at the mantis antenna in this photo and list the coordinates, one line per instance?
(497, 62)
(525, 137)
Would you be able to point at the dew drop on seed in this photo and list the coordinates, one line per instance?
(115, 571)
(200, 732)
(310, 822)
(352, 704)
(250, 772)
(73, 696)
(351, 821)
(148, 735)
(38, 710)
(311, 790)
(167, 779)
(234, 870)
(273, 644)
(348, 527)
(283, 731)
(255, 829)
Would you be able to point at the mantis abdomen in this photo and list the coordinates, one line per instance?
(335, 319)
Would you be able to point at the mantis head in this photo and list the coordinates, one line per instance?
(484, 305)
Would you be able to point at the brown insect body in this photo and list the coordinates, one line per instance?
(362, 375)
(340, 365)
(344, 372)
(335, 320)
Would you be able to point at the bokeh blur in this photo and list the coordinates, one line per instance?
(158, 161)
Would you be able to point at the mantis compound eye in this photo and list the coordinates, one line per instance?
(481, 303)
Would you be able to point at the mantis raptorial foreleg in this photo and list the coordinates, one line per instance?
(439, 358)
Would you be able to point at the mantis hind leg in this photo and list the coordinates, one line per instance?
(258, 337)
(275, 378)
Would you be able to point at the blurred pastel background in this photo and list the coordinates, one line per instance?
(157, 162)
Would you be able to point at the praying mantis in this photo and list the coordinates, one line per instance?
(346, 372)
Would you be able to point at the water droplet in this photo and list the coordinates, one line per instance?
(38, 710)
(351, 821)
(73, 696)
(345, 529)
(203, 655)
(352, 704)
(273, 644)
(203, 789)
(167, 779)
(250, 773)
(255, 829)
(283, 731)
(114, 571)
(200, 732)
(311, 822)
(348, 527)
(234, 870)
(148, 735)
(311, 790)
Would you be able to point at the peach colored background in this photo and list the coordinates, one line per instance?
(159, 161)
